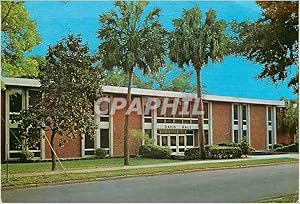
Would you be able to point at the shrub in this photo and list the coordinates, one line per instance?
(229, 145)
(244, 145)
(26, 155)
(214, 152)
(155, 151)
(275, 146)
(191, 154)
(101, 153)
(289, 148)
(223, 152)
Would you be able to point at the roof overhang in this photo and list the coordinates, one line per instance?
(154, 93)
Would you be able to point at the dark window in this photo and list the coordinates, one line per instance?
(186, 121)
(89, 152)
(270, 136)
(15, 102)
(236, 136)
(189, 132)
(169, 120)
(89, 142)
(206, 137)
(164, 141)
(269, 114)
(244, 112)
(104, 138)
(205, 108)
(189, 140)
(148, 120)
(178, 121)
(181, 140)
(235, 112)
(104, 119)
(244, 133)
(173, 140)
(149, 132)
(158, 140)
(181, 150)
(34, 97)
(194, 121)
(14, 139)
(160, 120)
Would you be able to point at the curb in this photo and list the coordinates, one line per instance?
(137, 175)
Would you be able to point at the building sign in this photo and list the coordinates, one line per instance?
(177, 126)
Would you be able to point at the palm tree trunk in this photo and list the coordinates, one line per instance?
(200, 116)
(52, 153)
(126, 152)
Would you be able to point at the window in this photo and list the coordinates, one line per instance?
(244, 114)
(235, 114)
(149, 132)
(189, 140)
(15, 103)
(270, 137)
(269, 116)
(181, 140)
(89, 142)
(173, 140)
(164, 141)
(104, 138)
(34, 97)
(206, 137)
(148, 120)
(236, 136)
(158, 140)
(14, 139)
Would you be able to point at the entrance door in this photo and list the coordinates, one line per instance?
(181, 143)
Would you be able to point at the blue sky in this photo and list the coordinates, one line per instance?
(235, 76)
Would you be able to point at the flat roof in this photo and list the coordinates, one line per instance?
(155, 93)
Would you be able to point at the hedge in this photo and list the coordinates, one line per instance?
(101, 153)
(289, 148)
(155, 152)
(214, 152)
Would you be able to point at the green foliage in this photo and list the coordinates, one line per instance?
(275, 146)
(195, 41)
(18, 36)
(191, 154)
(271, 41)
(244, 145)
(214, 152)
(288, 117)
(101, 153)
(26, 155)
(223, 152)
(289, 148)
(128, 39)
(140, 135)
(70, 84)
(155, 151)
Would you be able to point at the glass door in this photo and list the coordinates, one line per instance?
(181, 143)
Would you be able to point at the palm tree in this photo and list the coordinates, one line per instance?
(128, 40)
(196, 42)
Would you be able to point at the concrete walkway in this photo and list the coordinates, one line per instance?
(99, 169)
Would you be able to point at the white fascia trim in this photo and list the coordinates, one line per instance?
(155, 93)
(148, 92)
(21, 82)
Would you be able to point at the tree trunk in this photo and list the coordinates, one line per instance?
(200, 116)
(126, 152)
(52, 153)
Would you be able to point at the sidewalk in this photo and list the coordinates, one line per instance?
(99, 169)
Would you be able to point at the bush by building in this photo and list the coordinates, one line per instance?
(289, 148)
(155, 151)
(26, 155)
(214, 152)
(101, 153)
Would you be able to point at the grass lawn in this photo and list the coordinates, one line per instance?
(20, 181)
(284, 199)
(78, 164)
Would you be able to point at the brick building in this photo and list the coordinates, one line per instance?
(226, 120)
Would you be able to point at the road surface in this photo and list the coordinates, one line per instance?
(231, 185)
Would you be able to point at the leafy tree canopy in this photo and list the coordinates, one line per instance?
(19, 35)
(70, 83)
(272, 41)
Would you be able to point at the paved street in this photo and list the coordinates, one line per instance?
(231, 185)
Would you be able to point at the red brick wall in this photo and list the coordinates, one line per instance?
(221, 122)
(135, 122)
(284, 138)
(70, 149)
(2, 125)
(258, 126)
